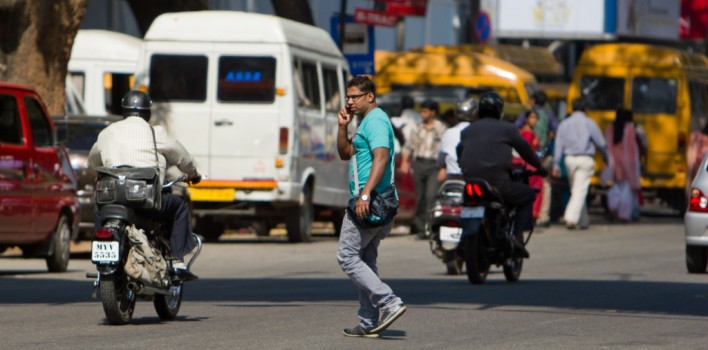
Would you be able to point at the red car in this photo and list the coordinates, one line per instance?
(38, 203)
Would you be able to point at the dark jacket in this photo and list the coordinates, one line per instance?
(485, 150)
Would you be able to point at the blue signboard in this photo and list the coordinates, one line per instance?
(358, 46)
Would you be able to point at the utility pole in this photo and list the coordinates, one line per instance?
(342, 22)
(468, 10)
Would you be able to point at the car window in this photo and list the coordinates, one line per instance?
(654, 95)
(41, 131)
(246, 79)
(10, 124)
(79, 137)
(602, 93)
(178, 78)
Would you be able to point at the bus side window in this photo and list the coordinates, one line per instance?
(331, 89)
(699, 103)
(302, 100)
(310, 84)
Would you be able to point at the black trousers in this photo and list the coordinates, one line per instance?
(425, 177)
(175, 212)
(522, 197)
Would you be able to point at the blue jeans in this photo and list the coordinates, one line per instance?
(357, 253)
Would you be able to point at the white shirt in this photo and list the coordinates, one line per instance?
(130, 142)
(448, 147)
(407, 122)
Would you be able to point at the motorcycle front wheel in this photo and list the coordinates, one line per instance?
(512, 269)
(476, 258)
(118, 301)
(167, 306)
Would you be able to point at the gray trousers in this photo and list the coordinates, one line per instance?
(357, 253)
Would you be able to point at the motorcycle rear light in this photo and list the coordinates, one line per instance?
(451, 223)
(473, 190)
(698, 201)
(103, 234)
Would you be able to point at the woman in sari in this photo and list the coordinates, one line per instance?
(623, 167)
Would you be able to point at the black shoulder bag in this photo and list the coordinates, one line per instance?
(383, 206)
(138, 188)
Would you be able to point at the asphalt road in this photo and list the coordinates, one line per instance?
(613, 286)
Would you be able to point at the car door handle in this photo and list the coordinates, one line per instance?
(223, 122)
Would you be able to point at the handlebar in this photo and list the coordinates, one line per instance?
(183, 178)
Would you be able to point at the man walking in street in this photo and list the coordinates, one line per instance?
(371, 154)
(577, 139)
(421, 154)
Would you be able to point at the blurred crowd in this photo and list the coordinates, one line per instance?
(567, 146)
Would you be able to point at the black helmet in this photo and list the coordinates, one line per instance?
(136, 104)
(491, 105)
(466, 110)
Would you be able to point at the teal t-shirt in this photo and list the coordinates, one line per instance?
(375, 131)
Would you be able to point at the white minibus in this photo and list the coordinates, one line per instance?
(101, 69)
(254, 98)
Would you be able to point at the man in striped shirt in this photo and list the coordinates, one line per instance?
(422, 152)
(133, 142)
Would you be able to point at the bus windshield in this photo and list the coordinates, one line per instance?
(654, 95)
(602, 93)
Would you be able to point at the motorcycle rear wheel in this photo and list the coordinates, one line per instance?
(476, 258)
(512, 269)
(118, 301)
(167, 306)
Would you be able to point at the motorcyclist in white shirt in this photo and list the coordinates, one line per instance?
(131, 142)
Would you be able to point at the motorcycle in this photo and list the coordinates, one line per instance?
(113, 249)
(444, 229)
(488, 226)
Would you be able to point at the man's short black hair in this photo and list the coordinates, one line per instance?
(363, 83)
(431, 105)
(539, 97)
(407, 102)
(580, 104)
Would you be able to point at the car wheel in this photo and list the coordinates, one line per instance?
(58, 258)
(262, 228)
(299, 220)
(696, 259)
(337, 219)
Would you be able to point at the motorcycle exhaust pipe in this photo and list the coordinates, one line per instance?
(146, 290)
(134, 287)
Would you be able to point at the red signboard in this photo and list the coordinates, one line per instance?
(375, 18)
(407, 7)
(694, 19)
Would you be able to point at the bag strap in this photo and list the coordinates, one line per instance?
(154, 143)
(356, 173)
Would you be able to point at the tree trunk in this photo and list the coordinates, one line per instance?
(36, 37)
(296, 10)
(146, 11)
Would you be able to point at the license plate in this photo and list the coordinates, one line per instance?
(472, 212)
(212, 194)
(450, 234)
(104, 252)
